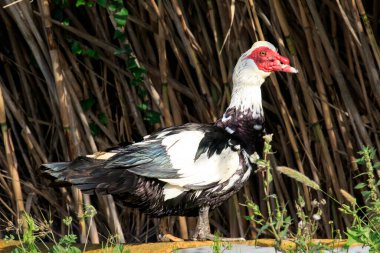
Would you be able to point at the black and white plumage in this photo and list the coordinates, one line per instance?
(188, 169)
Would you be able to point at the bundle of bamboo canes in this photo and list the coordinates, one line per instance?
(76, 78)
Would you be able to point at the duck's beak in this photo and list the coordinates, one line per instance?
(281, 63)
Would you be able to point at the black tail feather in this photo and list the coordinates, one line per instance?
(84, 173)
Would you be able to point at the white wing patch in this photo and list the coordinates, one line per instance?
(232, 181)
(172, 191)
(182, 147)
(102, 155)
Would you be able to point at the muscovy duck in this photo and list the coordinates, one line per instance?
(189, 169)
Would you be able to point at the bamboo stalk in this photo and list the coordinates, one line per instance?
(370, 34)
(40, 58)
(11, 161)
(179, 20)
(163, 62)
(372, 70)
(328, 123)
(64, 111)
(286, 117)
(189, 50)
(347, 98)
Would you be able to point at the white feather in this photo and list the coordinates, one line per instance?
(224, 119)
(249, 170)
(172, 191)
(102, 155)
(181, 149)
(197, 193)
(229, 130)
(247, 173)
(247, 97)
(231, 182)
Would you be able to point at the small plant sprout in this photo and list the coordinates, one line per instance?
(277, 221)
(365, 227)
(35, 232)
(89, 213)
(218, 245)
(308, 225)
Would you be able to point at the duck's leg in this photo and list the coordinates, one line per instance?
(164, 234)
(202, 231)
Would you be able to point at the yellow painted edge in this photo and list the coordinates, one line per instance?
(167, 247)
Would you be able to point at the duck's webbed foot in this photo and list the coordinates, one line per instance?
(202, 231)
(169, 238)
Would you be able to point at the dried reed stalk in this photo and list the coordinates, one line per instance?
(320, 117)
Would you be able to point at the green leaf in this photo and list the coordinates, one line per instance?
(352, 237)
(9, 237)
(138, 72)
(141, 91)
(116, 5)
(73, 250)
(152, 117)
(103, 118)
(91, 53)
(376, 165)
(121, 17)
(262, 229)
(360, 160)
(118, 35)
(119, 51)
(66, 22)
(131, 63)
(76, 48)
(249, 218)
(270, 178)
(102, 3)
(95, 130)
(360, 186)
(288, 220)
(68, 240)
(136, 82)
(16, 250)
(88, 103)
(89, 211)
(80, 3)
(112, 7)
(143, 106)
(366, 194)
(90, 4)
(125, 50)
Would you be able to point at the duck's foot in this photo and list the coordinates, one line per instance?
(169, 238)
(212, 237)
(202, 231)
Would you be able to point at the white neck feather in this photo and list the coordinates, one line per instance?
(246, 92)
(246, 97)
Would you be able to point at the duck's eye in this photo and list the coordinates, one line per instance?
(263, 53)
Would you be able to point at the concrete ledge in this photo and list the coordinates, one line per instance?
(167, 247)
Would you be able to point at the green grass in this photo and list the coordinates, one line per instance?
(365, 228)
(219, 246)
(33, 235)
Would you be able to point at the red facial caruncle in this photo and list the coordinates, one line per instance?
(269, 60)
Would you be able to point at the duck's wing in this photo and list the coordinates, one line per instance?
(192, 156)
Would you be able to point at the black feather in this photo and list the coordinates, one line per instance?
(214, 142)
